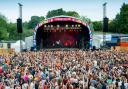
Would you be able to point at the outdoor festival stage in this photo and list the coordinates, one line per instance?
(62, 32)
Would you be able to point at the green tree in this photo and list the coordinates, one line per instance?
(60, 11)
(25, 24)
(12, 30)
(3, 21)
(3, 33)
(3, 28)
(97, 25)
(34, 21)
(56, 12)
(72, 13)
(112, 27)
(121, 20)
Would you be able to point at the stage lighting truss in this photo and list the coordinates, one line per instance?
(54, 28)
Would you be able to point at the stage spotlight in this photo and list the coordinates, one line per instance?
(66, 25)
(51, 26)
(45, 26)
(48, 25)
(58, 26)
(79, 25)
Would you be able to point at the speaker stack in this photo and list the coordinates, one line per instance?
(19, 25)
(105, 24)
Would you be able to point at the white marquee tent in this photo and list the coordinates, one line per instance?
(16, 45)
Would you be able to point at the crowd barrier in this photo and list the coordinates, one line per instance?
(119, 48)
(6, 51)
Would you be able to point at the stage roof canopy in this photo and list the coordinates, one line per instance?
(65, 18)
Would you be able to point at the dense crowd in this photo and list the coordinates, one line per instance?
(64, 69)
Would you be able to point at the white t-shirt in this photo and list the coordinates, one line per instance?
(120, 83)
(114, 82)
(126, 85)
(91, 87)
(73, 73)
(75, 80)
(57, 87)
(7, 87)
(100, 75)
(32, 86)
(95, 63)
(25, 86)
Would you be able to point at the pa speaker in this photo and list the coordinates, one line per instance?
(105, 24)
(19, 25)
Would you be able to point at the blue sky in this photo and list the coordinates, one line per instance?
(89, 8)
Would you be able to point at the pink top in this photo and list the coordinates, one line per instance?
(26, 77)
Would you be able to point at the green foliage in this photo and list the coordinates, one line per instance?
(120, 23)
(87, 20)
(56, 12)
(25, 24)
(121, 20)
(3, 21)
(27, 33)
(72, 13)
(60, 11)
(84, 19)
(3, 28)
(8, 31)
(12, 30)
(97, 25)
(34, 21)
(3, 33)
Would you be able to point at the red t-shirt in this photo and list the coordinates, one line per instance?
(1, 69)
(45, 86)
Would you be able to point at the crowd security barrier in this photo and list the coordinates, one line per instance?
(119, 48)
(6, 51)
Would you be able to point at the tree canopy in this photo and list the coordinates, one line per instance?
(60, 11)
(121, 20)
(56, 12)
(34, 21)
(3, 28)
